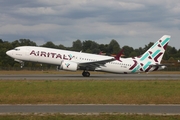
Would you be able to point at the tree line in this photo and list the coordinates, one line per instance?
(171, 56)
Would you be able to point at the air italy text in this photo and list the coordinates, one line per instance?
(51, 55)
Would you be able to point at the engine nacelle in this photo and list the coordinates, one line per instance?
(68, 65)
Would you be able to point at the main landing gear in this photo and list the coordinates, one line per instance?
(85, 74)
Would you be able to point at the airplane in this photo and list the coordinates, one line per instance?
(73, 61)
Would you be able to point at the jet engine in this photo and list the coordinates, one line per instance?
(68, 65)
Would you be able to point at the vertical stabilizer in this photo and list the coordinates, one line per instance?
(153, 55)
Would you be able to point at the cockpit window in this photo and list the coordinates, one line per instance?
(17, 49)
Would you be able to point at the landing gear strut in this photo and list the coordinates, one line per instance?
(21, 62)
(85, 74)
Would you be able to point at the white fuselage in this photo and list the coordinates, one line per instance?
(56, 56)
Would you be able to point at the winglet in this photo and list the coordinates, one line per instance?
(118, 56)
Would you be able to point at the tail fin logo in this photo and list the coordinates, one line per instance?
(152, 56)
(156, 52)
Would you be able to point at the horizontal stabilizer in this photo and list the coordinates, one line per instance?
(157, 65)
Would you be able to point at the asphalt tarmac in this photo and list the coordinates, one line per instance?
(92, 77)
(92, 109)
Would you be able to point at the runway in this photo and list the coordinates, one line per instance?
(92, 109)
(92, 77)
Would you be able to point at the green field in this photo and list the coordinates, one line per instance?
(90, 92)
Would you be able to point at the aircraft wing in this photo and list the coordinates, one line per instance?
(95, 64)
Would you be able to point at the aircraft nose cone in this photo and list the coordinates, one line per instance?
(9, 53)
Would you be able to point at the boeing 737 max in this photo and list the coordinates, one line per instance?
(72, 61)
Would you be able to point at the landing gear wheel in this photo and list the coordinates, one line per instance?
(86, 74)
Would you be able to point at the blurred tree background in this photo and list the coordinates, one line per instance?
(170, 58)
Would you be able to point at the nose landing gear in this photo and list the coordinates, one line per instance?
(21, 62)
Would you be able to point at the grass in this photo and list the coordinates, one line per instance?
(87, 117)
(89, 92)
